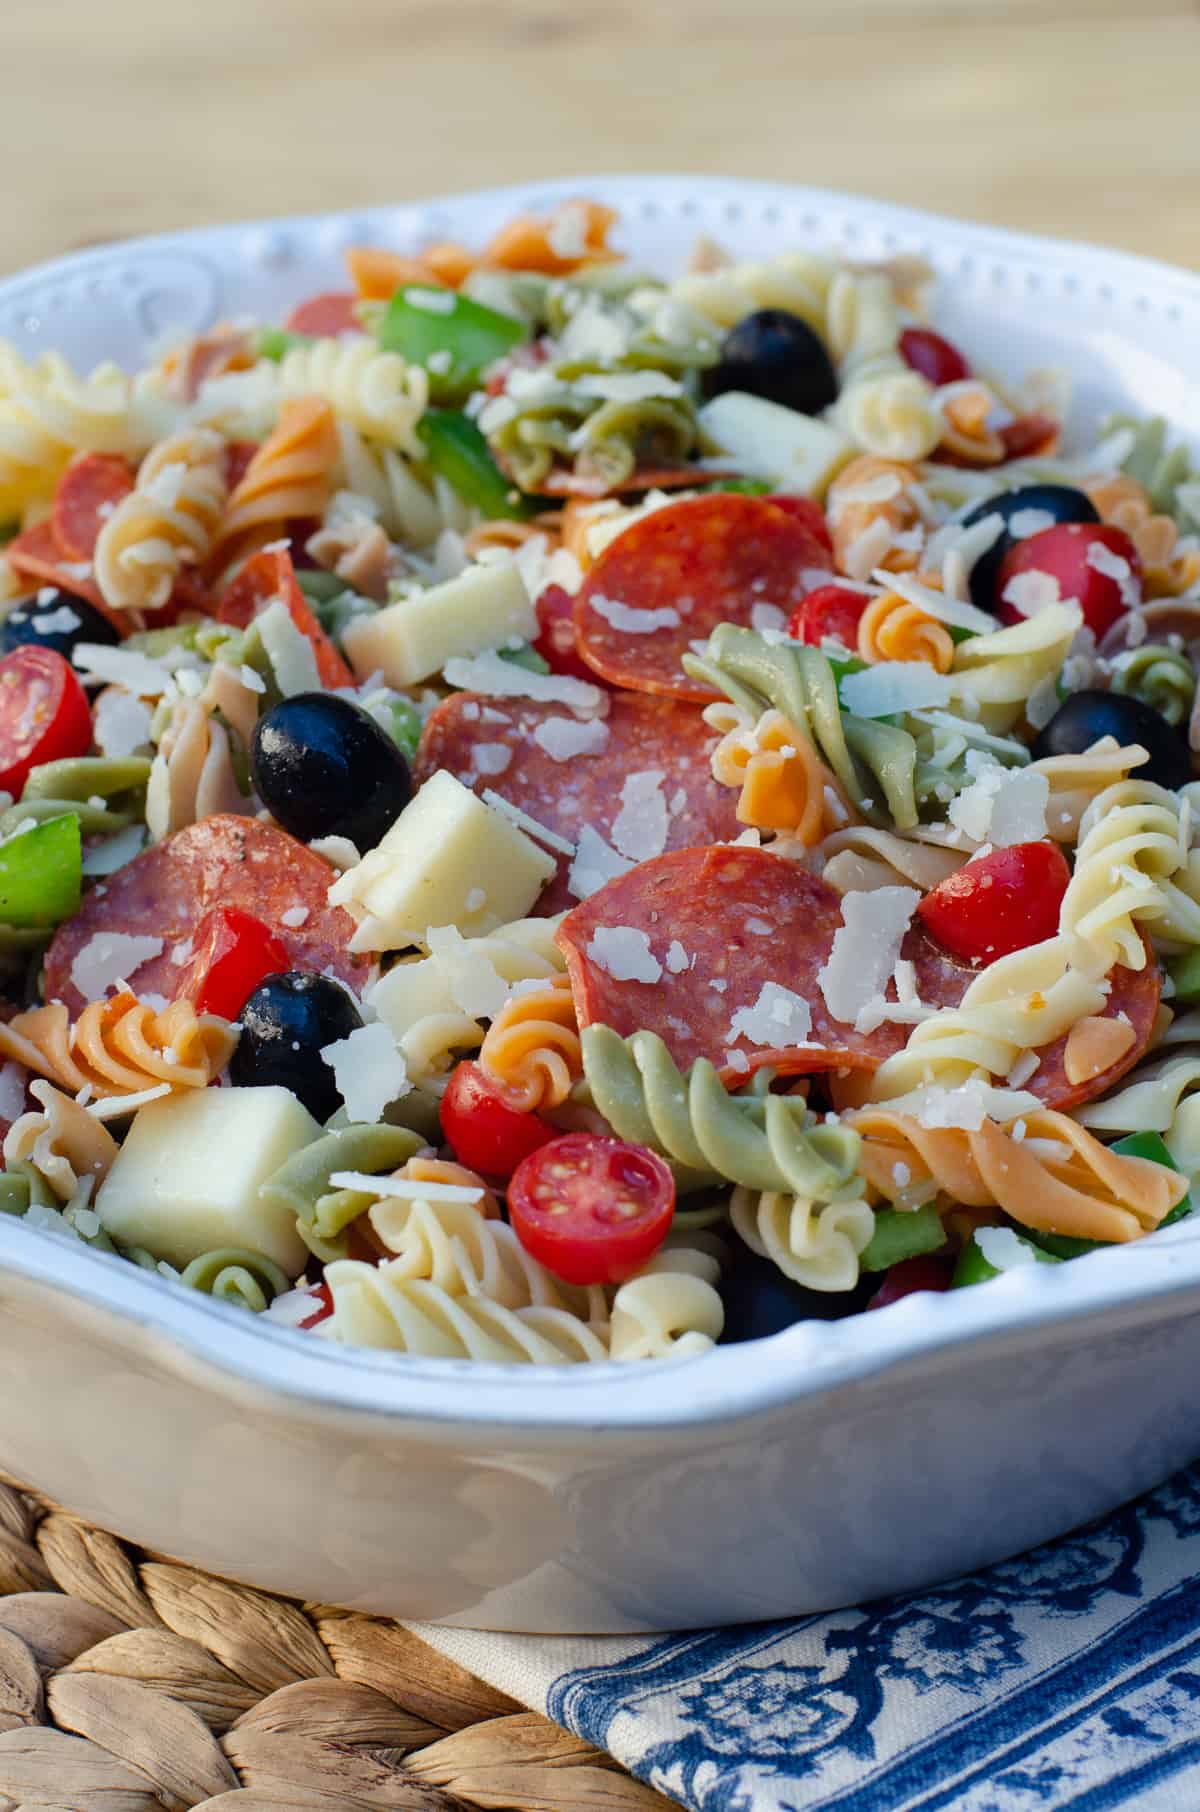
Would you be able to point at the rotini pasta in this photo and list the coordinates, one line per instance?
(63, 1143)
(167, 522)
(290, 478)
(302, 1185)
(120, 1046)
(415, 1316)
(192, 775)
(532, 1047)
(1161, 677)
(1056, 1178)
(234, 1274)
(784, 786)
(47, 414)
(892, 628)
(818, 1244)
(860, 859)
(376, 392)
(873, 514)
(886, 408)
(669, 1310)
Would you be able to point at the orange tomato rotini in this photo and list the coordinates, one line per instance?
(532, 1049)
(1126, 504)
(893, 629)
(866, 493)
(784, 785)
(120, 1046)
(290, 478)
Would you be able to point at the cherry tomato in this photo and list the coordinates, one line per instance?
(911, 1275)
(932, 356)
(323, 1306)
(1092, 562)
(233, 952)
(829, 614)
(591, 1209)
(999, 903)
(556, 635)
(485, 1133)
(44, 714)
(809, 514)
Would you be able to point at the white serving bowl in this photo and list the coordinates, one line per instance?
(835, 1462)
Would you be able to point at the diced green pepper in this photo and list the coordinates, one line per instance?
(276, 342)
(843, 666)
(320, 587)
(405, 726)
(902, 1233)
(461, 337)
(459, 454)
(973, 1267)
(525, 656)
(741, 487)
(1185, 973)
(41, 873)
(958, 633)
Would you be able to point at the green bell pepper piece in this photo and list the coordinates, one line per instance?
(41, 873)
(525, 656)
(973, 1267)
(902, 1233)
(459, 453)
(423, 324)
(405, 727)
(275, 343)
(741, 487)
(1185, 973)
(320, 587)
(1148, 1145)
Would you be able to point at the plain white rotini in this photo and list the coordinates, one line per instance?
(48, 413)
(406, 509)
(817, 1244)
(1132, 841)
(168, 521)
(797, 281)
(1149, 1100)
(885, 407)
(415, 1316)
(192, 775)
(378, 393)
(860, 859)
(670, 1309)
(994, 674)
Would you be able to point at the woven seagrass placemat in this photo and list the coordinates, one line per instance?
(129, 1683)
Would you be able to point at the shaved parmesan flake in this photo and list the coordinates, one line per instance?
(766, 617)
(12, 1091)
(121, 723)
(595, 865)
(369, 1071)
(624, 953)
(109, 956)
(894, 686)
(404, 1189)
(640, 828)
(491, 757)
(58, 622)
(114, 1107)
(1003, 1250)
(1002, 806)
(475, 986)
(677, 957)
(866, 949)
(564, 737)
(937, 604)
(1030, 592)
(1024, 523)
(628, 386)
(294, 917)
(1102, 559)
(778, 1019)
(293, 1308)
(144, 677)
(868, 549)
(432, 301)
(492, 675)
(290, 652)
(105, 858)
(630, 620)
(529, 825)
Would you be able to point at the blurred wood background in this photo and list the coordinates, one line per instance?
(1076, 117)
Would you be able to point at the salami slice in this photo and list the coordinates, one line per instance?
(270, 575)
(88, 492)
(222, 861)
(640, 775)
(326, 315)
(721, 925)
(672, 577)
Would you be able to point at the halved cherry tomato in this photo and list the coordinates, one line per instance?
(591, 1209)
(556, 635)
(998, 903)
(911, 1275)
(44, 714)
(328, 314)
(233, 952)
(829, 614)
(486, 1133)
(932, 356)
(1092, 562)
(322, 1297)
(809, 514)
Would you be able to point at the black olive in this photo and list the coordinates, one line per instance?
(323, 767)
(1087, 716)
(1060, 501)
(774, 354)
(45, 622)
(286, 1023)
(759, 1300)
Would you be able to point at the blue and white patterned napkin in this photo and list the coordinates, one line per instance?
(1067, 1678)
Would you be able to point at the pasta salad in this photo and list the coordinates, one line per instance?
(554, 815)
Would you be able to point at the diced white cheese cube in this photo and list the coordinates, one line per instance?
(187, 1178)
(765, 440)
(428, 868)
(483, 608)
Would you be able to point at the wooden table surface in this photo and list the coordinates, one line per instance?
(1077, 117)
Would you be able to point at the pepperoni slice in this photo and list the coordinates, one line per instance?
(36, 555)
(640, 737)
(238, 863)
(269, 575)
(88, 492)
(325, 316)
(694, 564)
(1136, 994)
(1029, 436)
(742, 918)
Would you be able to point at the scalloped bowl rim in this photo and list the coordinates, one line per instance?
(1127, 1283)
